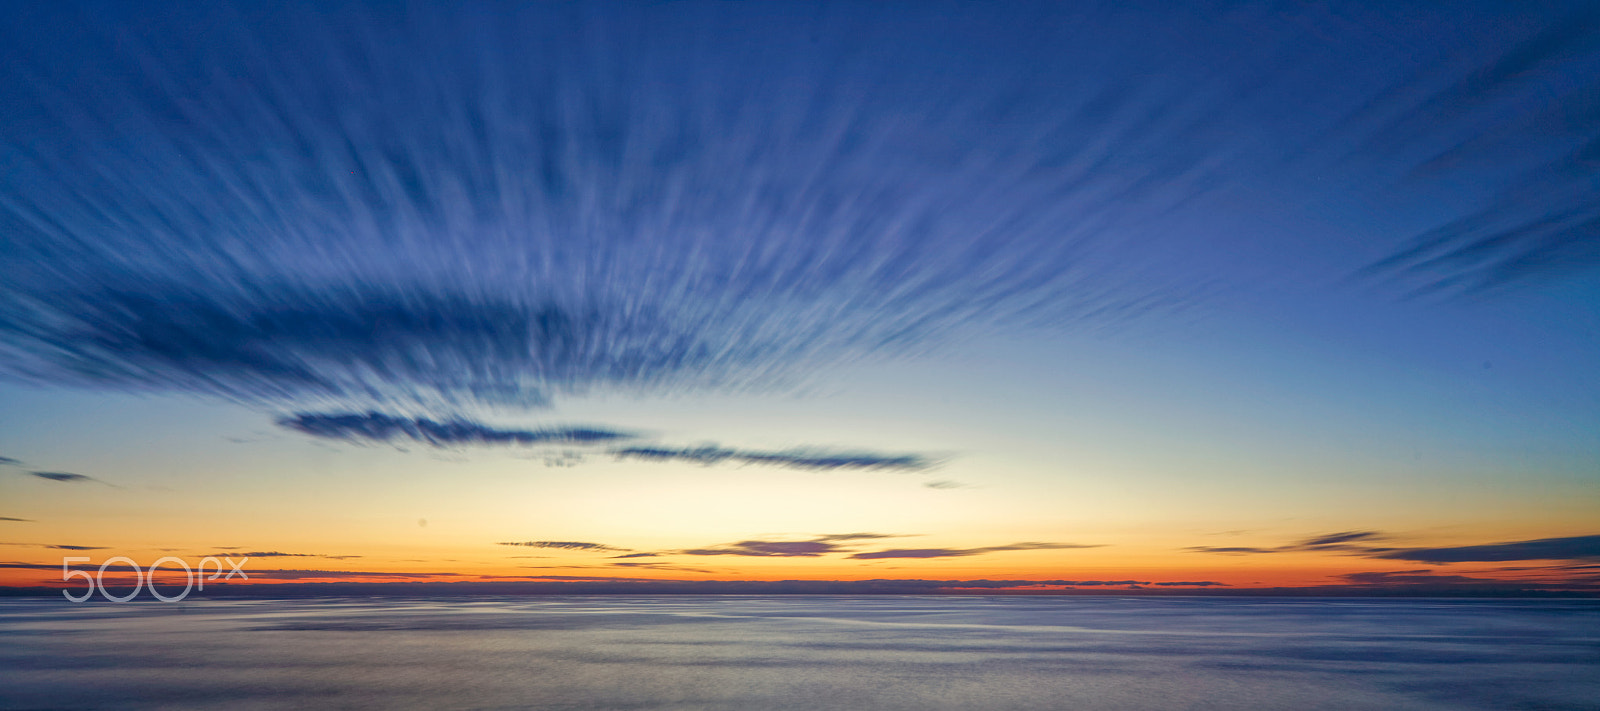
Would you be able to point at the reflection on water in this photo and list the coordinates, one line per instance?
(808, 652)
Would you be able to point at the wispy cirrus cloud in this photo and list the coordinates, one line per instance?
(18, 520)
(349, 225)
(1542, 222)
(389, 263)
(963, 552)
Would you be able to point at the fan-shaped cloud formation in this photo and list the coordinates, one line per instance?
(455, 209)
(447, 208)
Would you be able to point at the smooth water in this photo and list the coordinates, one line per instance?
(804, 652)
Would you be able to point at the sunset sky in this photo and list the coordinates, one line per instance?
(1247, 296)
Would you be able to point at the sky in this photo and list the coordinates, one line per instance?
(584, 296)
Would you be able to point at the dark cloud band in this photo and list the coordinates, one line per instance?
(794, 459)
(377, 427)
(565, 545)
(64, 477)
(1572, 548)
(963, 552)
(1355, 543)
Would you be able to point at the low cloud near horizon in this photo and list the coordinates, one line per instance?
(962, 552)
(1353, 543)
(812, 548)
(564, 545)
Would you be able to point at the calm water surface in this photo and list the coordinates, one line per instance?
(803, 652)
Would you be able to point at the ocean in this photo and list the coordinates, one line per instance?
(852, 653)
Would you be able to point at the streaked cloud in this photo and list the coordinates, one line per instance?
(641, 238)
(1541, 223)
(20, 520)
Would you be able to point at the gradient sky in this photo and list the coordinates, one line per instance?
(1228, 295)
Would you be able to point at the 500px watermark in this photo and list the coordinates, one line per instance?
(147, 575)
